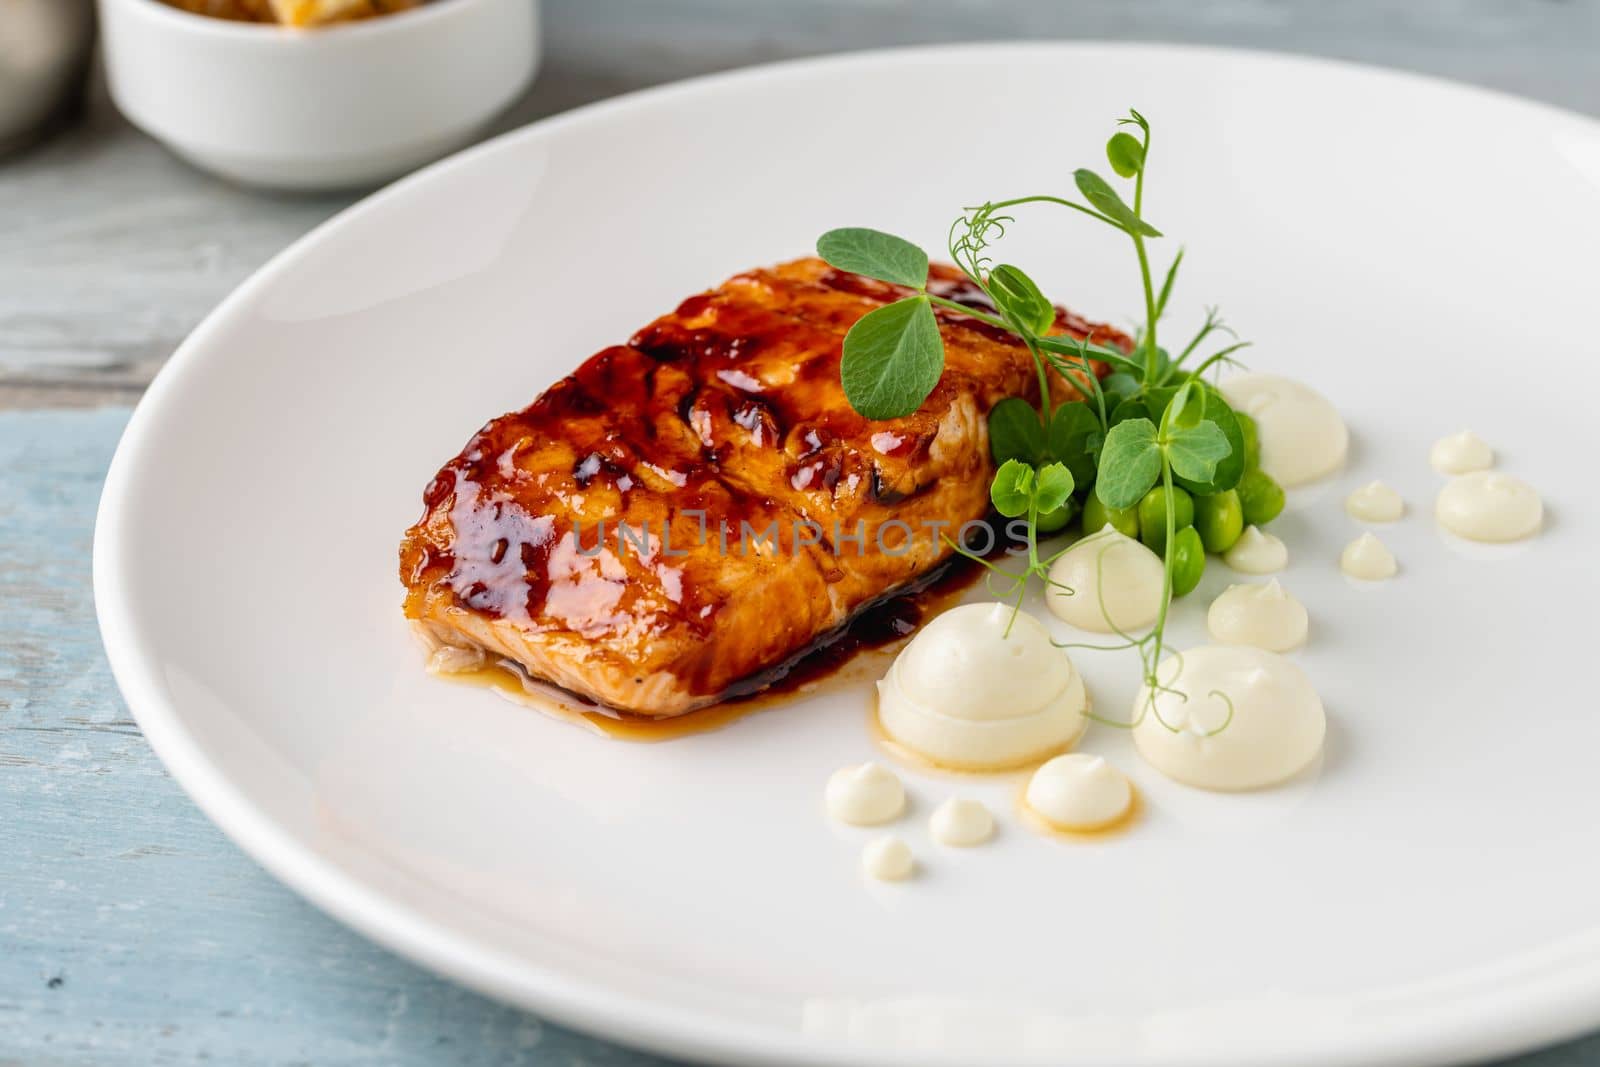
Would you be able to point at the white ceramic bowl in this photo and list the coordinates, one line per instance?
(345, 105)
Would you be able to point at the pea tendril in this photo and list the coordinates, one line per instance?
(1140, 434)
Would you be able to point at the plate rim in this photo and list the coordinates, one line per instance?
(588, 1006)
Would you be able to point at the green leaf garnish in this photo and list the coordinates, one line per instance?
(1156, 399)
(875, 254)
(1135, 406)
(1075, 438)
(1012, 489)
(1120, 384)
(1232, 466)
(1052, 487)
(1130, 463)
(1015, 432)
(1108, 203)
(1016, 295)
(1147, 436)
(892, 359)
(1186, 408)
(1194, 451)
(1125, 154)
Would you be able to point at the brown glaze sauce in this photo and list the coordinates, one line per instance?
(609, 413)
(881, 625)
(879, 628)
(730, 408)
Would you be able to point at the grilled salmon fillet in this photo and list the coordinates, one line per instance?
(686, 514)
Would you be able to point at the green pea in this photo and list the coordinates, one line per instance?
(1260, 497)
(1252, 440)
(1051, 521)
(1096, 515)
(1188, 561)
(1220, 520)
(1153, 515)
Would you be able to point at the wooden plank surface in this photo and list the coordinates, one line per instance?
(111, 250)
(131, 931)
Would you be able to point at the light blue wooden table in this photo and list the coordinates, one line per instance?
(131, 931)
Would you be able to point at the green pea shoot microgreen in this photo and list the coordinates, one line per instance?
(1151, 424)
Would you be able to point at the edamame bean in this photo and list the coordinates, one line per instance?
(1188, 561)
(1096, 516)
(1153, 515)
(1252, 440)
(1051, 521)
(1220, 520)
(1260, 497)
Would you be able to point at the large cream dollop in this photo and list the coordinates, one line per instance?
(1461, 453)
(1078, 792)
(1302, 436)
(1116, 583)
(1186, 732)
(1257, 552)
(967, 694)
(1266, 616)
(1489, 506)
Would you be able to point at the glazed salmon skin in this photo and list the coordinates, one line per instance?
(687, 513)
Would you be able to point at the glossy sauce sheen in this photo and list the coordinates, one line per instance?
(724, 416)
(879, 628)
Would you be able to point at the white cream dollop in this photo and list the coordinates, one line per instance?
(888, 859)
(1489, 506)
(1368, 559)
(1257, 552)
(1302, 436)
(961, 823)
(1375, 502)
(865, 794)
(1266, 616)
(1115, 581)
(1461, 453)
(968, 695)
(1078, 792)
(1275, 729)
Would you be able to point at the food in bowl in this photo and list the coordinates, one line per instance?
(334, 107)
(294, 12)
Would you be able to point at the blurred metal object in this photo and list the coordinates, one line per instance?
(45, 47)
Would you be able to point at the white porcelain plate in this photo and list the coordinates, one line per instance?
(1421, 252)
